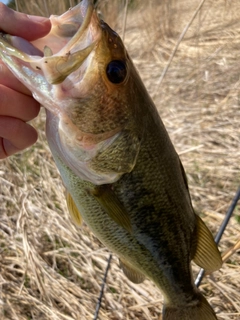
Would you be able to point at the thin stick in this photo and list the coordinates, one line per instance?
(177, 45)
(46, 8)
(102, 289)
(16, 4)
(228, 253)
(124, 20)
(221, 230)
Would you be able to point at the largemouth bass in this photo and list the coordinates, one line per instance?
(122, 173)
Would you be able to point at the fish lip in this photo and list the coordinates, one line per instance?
(83, 26)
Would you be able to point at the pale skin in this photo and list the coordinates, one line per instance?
(17, 105)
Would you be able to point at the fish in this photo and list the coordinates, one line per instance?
(122, 174)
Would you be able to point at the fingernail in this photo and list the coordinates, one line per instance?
(9, 148)
(38, 19)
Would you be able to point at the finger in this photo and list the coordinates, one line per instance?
(9, 80)
(16, 136)
(23, 25)
(17, 105)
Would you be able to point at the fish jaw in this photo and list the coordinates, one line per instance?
(61, 71)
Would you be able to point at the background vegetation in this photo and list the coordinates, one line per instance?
(50, 269)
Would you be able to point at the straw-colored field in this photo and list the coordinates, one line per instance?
(52, 270)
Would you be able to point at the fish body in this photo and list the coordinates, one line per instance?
(122, 173)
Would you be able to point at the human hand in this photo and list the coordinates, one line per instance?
(17, 105)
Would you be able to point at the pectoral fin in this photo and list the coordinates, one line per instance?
(131, 273)
(73, 210)
(113, 207)
(120, 156)
(206, 254)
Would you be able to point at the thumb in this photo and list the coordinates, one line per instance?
(23, 25)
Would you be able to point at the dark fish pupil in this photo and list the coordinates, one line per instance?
(116, 71)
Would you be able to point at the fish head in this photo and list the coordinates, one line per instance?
(80, 72)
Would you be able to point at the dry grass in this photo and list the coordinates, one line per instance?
(50, 269)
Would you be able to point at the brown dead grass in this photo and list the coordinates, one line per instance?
(50, 269)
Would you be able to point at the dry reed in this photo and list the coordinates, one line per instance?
(50, 269)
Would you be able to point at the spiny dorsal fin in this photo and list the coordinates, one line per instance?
(73, 210)
(130, 272)
(112, 205)
(206, 254)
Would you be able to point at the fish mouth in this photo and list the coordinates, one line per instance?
(57, 56)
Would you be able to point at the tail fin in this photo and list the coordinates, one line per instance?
(198, 309)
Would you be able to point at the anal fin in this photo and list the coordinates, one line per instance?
(73, 210)
(130, 272)
(206, 253)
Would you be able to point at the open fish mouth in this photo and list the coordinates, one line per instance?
(61, 54)
(79, 73)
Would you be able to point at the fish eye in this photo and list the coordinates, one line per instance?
(116, 71)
